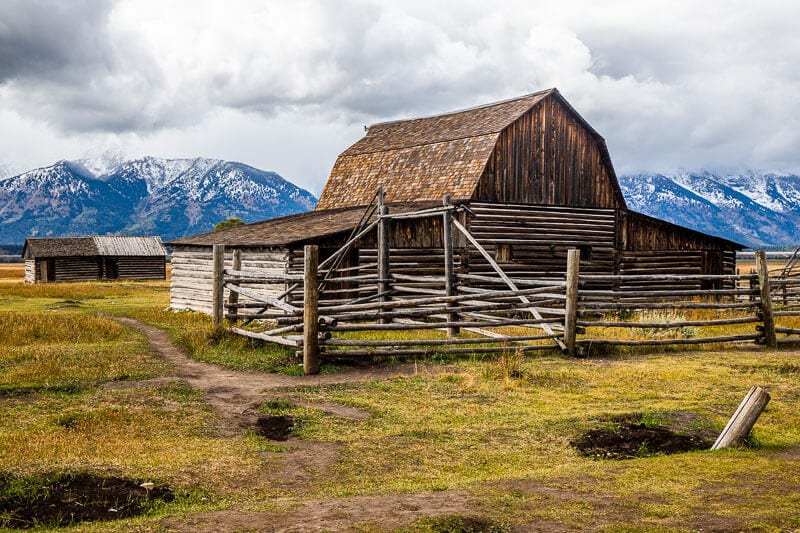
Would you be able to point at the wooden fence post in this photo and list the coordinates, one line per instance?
(766, 300)
(571, 304)
(383, 253)
(310, 310)
(218, 287)
(743, 419)
(449, 263)
(233, 296)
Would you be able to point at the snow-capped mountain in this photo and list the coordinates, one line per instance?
(754, 208)
(166, 197)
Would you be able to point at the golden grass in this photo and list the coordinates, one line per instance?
(69, 350)
(10, 272)
(496, 427)
(483, 426)
(141, 432)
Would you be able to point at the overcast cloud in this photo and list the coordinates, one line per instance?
(287, 85)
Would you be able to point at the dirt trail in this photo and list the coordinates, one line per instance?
(236, 395)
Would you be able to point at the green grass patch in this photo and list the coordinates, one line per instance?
(495, 430)
(69, 351)
(195, 334)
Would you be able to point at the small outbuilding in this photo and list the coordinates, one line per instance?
(94, 258)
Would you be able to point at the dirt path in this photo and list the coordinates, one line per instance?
(236, 395)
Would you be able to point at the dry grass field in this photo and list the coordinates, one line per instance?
(455, 445)
(11, 272)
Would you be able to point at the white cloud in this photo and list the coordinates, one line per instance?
(286, 85)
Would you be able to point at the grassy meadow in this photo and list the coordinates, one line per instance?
(79, 392)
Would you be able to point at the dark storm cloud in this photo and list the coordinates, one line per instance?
(62, 62)
(42, 40)
(670, 84)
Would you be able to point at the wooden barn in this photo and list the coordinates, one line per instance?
(94, 258)
(532, 180)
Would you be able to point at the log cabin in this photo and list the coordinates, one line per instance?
(534, 179)
(94, 258)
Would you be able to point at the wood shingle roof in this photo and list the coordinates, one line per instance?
(93, 246)
(424, 158)
(292, 228)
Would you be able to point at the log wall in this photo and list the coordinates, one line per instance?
(192, 275)
(76, 269)
(651, 246)
(549, 156)
(93, 268)
(141, 268)
(531, 242)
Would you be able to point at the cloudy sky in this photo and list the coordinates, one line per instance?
(287, 85)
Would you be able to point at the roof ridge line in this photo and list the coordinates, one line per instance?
(467, 109)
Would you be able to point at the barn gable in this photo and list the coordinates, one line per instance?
(534, 149)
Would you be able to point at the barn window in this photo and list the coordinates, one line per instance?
(503, 253)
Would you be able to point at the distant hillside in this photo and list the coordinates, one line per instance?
(755, 209)
(150, 196)
(10, 253)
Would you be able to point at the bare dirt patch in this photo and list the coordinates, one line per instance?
(637, 435)
(72, 498)
(275, 427)
(340, 514)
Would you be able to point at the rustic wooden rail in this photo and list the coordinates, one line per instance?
(400, 313)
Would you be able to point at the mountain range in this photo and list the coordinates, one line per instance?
(755, 209)
(149, 196)
(177, 197)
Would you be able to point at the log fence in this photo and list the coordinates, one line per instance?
(371, 310)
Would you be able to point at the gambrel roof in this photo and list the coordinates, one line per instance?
(424, 158)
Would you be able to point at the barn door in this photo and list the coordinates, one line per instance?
(111, 269)
(47, 270)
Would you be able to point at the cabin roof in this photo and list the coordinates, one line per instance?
(292, 228)
(93, 246)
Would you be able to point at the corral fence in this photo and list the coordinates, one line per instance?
(367, 310)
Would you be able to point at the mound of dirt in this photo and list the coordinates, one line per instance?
(627, 437)
(71, 498)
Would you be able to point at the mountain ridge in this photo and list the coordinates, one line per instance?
(154, 196)
(177, 197)
(752, 208)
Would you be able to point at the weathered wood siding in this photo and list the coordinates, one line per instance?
(532, 241)
(93, 268)
(651, 246)
(549, 157)
(641, 232)
(192, 273)
(140, 268)
(30, 271)
(76, 269)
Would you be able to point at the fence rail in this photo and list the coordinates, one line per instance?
(369, 310)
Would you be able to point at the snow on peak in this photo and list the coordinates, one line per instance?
(102, 163)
